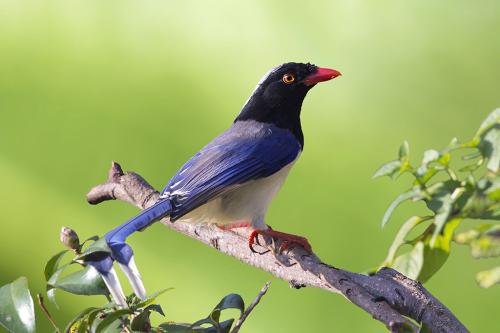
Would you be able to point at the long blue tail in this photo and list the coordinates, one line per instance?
(116, 237)
(142, 220)
(123, 254)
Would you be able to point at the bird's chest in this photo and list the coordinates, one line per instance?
(245, 203)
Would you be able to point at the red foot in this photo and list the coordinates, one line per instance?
(287, 240)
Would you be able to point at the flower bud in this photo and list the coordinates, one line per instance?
(69, 238)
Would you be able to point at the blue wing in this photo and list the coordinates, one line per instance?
(247, 151)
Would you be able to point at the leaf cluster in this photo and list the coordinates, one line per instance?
(471, 192)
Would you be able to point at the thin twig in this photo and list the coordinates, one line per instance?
(249, 309)
(46, 312)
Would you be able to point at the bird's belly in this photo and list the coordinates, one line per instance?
(247, 202)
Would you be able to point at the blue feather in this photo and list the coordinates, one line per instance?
(247, 151)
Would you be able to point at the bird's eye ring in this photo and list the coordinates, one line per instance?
(288, 78)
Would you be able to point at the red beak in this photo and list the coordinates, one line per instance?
(321, 75)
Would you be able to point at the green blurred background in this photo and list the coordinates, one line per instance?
(147, 83)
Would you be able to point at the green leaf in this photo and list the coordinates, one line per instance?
(141, 321)
(156, 308)
(231, 301)
(471, 156)
(83, 282)
(438, 194)
(411, 194)
(75, 324)
(492, 119)
(489, 146)
(485, 247)
(98, 246)
(481, 201)
(430, 156)
(488, 278)
(17, 313)
(410, 263)
(389, 169)
(484, 240)
(472, 167)
(91, 320)
(493, 191)
(407, 227)
(93, 239)
(150, 299)
(178, 328)
(53, 264)
(112, 319)
(444, 159)
(51, 291)
(426, 172)
(224, 327)
(404, 150)
(465, 237)
(442, 217)
(435, 256)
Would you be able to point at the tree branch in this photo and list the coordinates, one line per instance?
(388, 296)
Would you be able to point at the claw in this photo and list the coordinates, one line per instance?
(134, 277)
(288, 241)
(254, 239)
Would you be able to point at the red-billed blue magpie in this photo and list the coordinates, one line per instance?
(231, 181)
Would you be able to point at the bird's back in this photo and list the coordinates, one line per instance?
(247, 151)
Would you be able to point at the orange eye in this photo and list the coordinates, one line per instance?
(288, 78)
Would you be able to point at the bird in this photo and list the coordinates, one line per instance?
(231, 181)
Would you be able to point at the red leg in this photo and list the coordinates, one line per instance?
(287, 240)
(235, 225)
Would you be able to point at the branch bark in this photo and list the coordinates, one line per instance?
(388, 296)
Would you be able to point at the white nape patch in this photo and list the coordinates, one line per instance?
(264, 78)
(245, 202)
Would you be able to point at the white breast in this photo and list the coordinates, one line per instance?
(247, 202)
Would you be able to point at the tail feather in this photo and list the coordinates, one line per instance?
(134, 278)
(115, 289)
(142, 220)
(123, 254)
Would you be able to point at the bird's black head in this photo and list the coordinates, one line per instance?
(278, 97)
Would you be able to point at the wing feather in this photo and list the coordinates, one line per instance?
(245, 152)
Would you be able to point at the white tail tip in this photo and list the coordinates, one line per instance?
(134, 278)
(114, 287)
